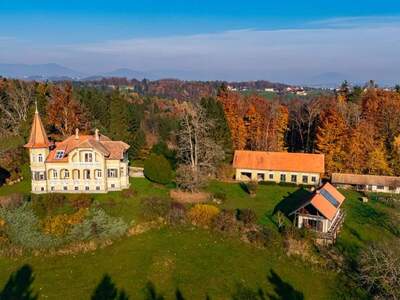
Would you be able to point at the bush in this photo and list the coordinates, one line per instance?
(177, 214)
(247, 216)
(250, 187)
(22, 228)
(59, 225)
(155, 207)
(81, 201)
(158, 169)
(202, 214)
(98, 225)
(226, 222)
(11, 201)
(260, 237)
(219, 196)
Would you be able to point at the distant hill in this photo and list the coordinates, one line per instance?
(42, 71)
(328, 79)
(127, 73)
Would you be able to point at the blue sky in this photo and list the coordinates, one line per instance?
(292, 41)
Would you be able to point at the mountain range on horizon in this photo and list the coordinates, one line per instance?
(54, 71)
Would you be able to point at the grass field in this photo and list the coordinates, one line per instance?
(196, 261)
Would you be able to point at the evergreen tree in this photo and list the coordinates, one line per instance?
(221, 134)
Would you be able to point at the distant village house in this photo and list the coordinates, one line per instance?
(279, 167)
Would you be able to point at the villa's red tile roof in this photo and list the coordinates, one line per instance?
(110, 149)
(279, 161)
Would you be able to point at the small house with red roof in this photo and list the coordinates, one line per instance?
(321, 212)
(79, 164)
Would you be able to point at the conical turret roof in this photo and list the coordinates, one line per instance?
(38, 137)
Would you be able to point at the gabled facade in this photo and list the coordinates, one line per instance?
(79, 164)
(296, 168)
(321, 212)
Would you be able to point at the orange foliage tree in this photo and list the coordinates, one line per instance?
(64, 112)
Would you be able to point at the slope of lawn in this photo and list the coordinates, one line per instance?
(199, 262)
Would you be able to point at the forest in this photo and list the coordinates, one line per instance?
(357, 128)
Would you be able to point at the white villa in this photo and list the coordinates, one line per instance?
(79, 164)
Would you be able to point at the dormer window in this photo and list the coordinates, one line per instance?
(60, 154)
(88, 157)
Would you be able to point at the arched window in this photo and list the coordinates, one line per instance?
(40, 157)
(86, 174)
(75, 174)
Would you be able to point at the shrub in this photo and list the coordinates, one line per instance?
(176, 215)
(155, 207)
(250, 187)
(226, 222)
(247, 216)
(98, 225)
(220, 196)
(23, 229)
(189, 179)
(158, 169)
(81, 201)
(59, 225)
(225, 172)
(11, 201)
(260, 237)
(202, 214)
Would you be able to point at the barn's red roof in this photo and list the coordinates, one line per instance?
(279, 161)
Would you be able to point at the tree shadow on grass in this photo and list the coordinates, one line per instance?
(107, 290)
(4, 174)
(18, 286)
(151, 292)
(282, 289)
(292, 201)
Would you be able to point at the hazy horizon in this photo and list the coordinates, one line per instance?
(295, 42)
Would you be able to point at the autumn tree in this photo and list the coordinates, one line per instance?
(331, 137)
(64, 113)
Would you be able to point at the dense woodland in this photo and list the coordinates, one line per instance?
(358, 129)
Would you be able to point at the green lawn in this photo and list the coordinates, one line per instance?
(199, 262)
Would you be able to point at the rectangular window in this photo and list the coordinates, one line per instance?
(112, 173)
(113, 185)
(66, 174)
(40, 158)
(53, 188)
(86, 174)
(60, 154)
(86, 188)
(293, 178)
(42, 189)
(65, 188)
(305, 179)
(41, 176)
(76, 188)
(283, 177)
(97, 188)
(314, 179)
(121, 172)
(88, 157)
(271, 176)
(55, 174)
(380, 187)
(98, 174)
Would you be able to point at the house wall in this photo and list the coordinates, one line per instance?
(371, 188)
(254, 175)
(76, 165)
(326, 224)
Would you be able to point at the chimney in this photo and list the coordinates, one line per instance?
(77, 133)
(96, 134)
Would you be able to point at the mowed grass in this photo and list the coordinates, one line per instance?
(199, 262)
(196, 262)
